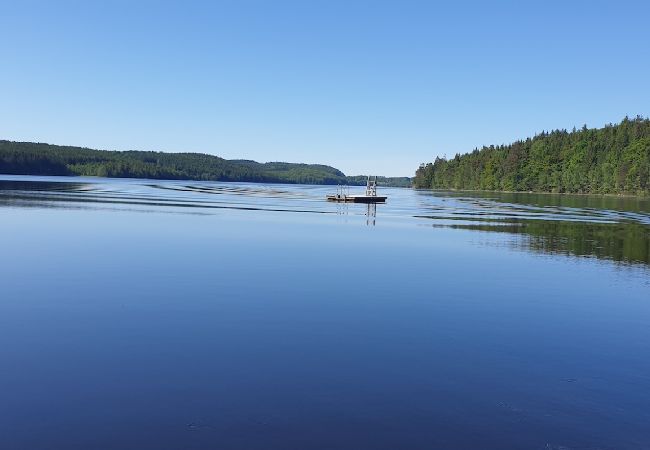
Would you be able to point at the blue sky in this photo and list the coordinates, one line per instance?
(365, 86)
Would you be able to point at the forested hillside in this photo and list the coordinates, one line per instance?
(28, 158)
(360, 180)
(610, 160)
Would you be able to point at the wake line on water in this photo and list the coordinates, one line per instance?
(300, 199)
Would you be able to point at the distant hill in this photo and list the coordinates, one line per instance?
(360, 180)
(29, 158)
(611, 160)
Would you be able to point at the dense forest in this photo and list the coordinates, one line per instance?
(610, 160)
(28, 158)
(360, 180)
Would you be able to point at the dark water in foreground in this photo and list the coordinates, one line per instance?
(178, 315)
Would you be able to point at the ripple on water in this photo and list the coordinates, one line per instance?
(618, 230)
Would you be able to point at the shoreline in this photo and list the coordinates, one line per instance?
(188, 179)
(595, 194)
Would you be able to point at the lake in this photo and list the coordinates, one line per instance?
(183, 315)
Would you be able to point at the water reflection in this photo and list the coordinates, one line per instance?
(369, 211)
(561, 201)
(626, 243)
(610, 228)
(22, 185)
(371, 214)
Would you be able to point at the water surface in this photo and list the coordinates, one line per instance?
(180, 314)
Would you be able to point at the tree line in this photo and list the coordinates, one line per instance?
(614, 159)
(29, 158)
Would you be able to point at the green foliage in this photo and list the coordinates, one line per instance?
(610, 160)
(360, 180)
(27, 158)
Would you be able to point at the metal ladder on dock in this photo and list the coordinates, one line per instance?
(371, 187)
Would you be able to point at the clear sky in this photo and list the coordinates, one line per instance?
(365, 86)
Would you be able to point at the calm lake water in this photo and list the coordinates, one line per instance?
(177, 315)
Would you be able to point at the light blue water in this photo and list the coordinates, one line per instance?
(156, 314)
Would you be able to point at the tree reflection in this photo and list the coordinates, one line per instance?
(622, 242)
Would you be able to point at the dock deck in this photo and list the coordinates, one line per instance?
(343, 198)
(343, 194)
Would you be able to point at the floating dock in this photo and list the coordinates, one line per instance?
(356, 198)
(343, 194)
